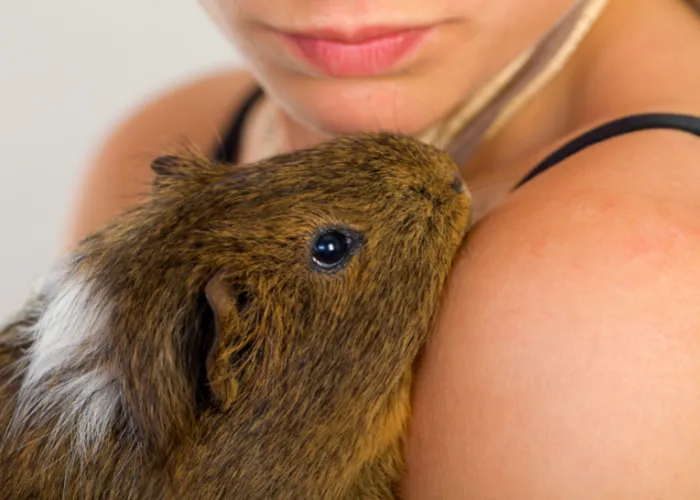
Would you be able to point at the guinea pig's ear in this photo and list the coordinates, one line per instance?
(187, 170)
(172, 173)
(232, 344)
(169, 166)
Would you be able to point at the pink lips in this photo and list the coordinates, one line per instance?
(368, 52)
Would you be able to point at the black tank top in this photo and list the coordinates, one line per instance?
(228, 151)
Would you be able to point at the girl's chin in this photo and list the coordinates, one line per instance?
(335, 108)
(344, 121)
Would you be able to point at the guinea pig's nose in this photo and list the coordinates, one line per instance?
(457, 184)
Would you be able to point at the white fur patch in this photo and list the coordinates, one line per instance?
(83, 403)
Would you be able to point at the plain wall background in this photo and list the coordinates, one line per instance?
(69, 69)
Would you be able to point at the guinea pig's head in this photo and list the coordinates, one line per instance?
(309, 279)
(332, 258)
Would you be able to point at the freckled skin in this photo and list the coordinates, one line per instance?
(244, 371)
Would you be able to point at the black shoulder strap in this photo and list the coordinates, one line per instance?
(632, 123)
(228, 150)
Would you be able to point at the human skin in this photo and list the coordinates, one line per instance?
(470, 42)
(566, 362)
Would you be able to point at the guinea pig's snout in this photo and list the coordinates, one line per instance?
(457, 184)
(441, 189)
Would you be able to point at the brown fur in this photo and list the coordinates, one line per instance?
(303, 391)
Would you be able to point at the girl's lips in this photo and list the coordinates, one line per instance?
(368, 53)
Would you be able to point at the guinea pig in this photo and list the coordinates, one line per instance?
(248, 332)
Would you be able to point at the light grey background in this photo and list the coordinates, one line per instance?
(69, 69)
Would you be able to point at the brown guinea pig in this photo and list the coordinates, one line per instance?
(249, 332)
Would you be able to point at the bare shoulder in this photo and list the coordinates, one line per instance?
(194, 113)
(567, 359)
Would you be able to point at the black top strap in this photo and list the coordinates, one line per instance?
(620, 126)
(228, 150)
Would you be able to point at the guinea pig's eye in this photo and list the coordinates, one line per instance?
(331, 249)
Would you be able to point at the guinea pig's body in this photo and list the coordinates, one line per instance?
(248, 333)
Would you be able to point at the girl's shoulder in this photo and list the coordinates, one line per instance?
(196, 113)
(639, 186)
(569, 339)
(571, 321)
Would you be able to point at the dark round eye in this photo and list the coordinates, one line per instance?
(330, 249)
